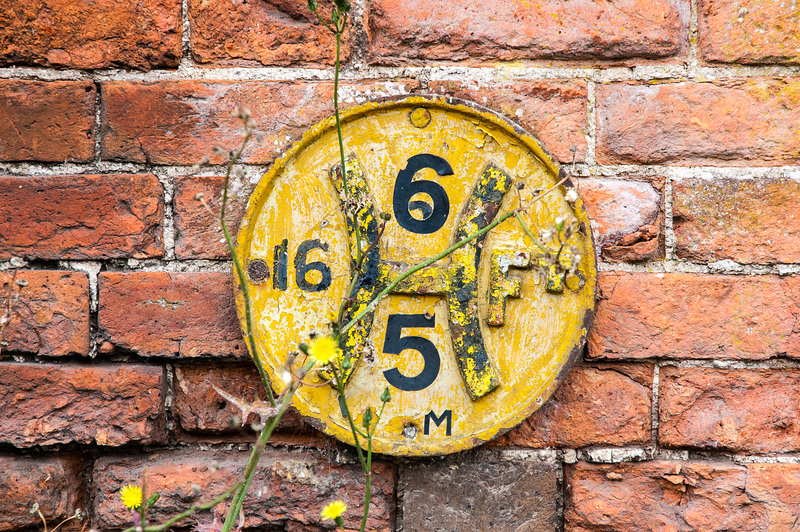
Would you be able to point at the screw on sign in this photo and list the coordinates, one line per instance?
(470, 345)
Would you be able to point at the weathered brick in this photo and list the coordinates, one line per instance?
(662, 495)
(751, 410)
(81, 217)
(199, 408)
(595, 405)
(54, 33)
(289, 488)
(44, 404)
(481, 495)
(52, 482)
(272, 33)
(776, 486)
(678, 315)
(180, 122)
(505, 30)
(171, 314)
(553, 111)
(50, 316)
(749, 31)
(46, 120)
(198, 234)
(748, 221)
(627, 217)
(733, 122)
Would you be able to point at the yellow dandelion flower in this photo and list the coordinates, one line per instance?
(325, 350)
(334, 510)
(131, 496)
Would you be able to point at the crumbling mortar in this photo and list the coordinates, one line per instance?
(772, 363)
(591, 123)
(669, 230)
(654, 419)
(693, 40)
(168, 228)
(189, 70)
(169, 402)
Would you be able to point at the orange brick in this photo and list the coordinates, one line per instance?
(47, 120)
(51, 316)
(171, 314)
(663, 495)
(746, 410)
(506, 30)
(749, 31)
(747, 221)
(81, 217)
(627, 217)
(53, 482)
(43, 404)
(272, 33)
(733, 122)
(677, 315)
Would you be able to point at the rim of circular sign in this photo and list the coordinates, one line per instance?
(262, 190)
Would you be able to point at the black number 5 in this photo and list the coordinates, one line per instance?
(394, 344)
(433, 218)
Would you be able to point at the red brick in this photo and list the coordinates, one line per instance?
(46, 120)
(678, 315)
(52, 482)
(748, 221)
(595, 405)
(180, 122)
(777, 486)
(56, 33)
(174, 314)
(506, 30)
(51, 316)
(289, 488)
(664, 496)
(751, 410)
(199, 408)
(198, 234)
(81, 217)
(734, 122)
(272, 33)
(627, 217)
(749, 31)
(43, 404)
(553, 111)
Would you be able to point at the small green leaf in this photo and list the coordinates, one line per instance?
(312, 5)
(153, 498)
(343, 6)
(386, 396)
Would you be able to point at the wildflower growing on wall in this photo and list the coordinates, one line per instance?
(334, 511)
(325, 350)
(131, 496)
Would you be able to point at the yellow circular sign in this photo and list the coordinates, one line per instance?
(470, 345)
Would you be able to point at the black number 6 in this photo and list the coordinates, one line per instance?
(394, 344)
(302, 268)
(404, 188)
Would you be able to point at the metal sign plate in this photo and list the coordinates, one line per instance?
(470, 346)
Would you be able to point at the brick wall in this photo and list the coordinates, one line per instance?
(682, 119)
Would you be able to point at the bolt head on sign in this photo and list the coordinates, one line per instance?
(470, 345)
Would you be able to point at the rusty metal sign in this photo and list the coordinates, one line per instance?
(469, 346)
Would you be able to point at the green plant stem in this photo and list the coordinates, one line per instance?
(353, 428)
(183, 515)
(424, 264)
(528, 232)
(237, 265)
(255, 456)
